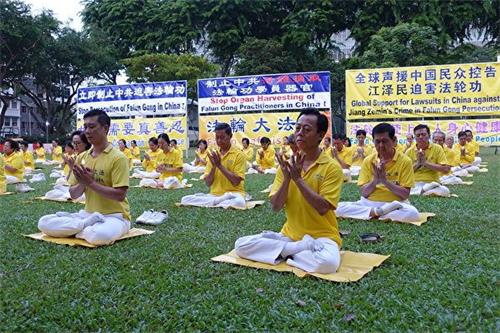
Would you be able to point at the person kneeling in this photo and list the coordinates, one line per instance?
(225, 175)
(308, 188)
(385, 181)
(102, 173)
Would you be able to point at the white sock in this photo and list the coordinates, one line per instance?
(387, 208)
(224, 197)
(93, 219)
(307, 243)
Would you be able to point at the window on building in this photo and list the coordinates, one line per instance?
(13, 104)
(14, 121)
(6, 121)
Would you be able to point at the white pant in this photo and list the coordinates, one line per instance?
(193, 169)
(145, 174)
(450, 180)
(11, 179)
(59, 192)
(347, 175)
(471, 168)
(419, 189)
(251, 171)
(361, 210)
(459, 172)
(63, 224)
(229, 199)
(168, 183)
(477, 160)
(136, 161)
(268, 250)
(355, 170)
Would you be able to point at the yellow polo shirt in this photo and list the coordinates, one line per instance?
(451, 156)
(345, 155)
(248, 154)
(267, 161)
(469, 153)
(57, 154)
(40, 153)
(400, 148)
(3, 186)
(110, 169)
(399, 171)
(434, 154)
(324, 177)
(202, 156)
(136, 153)
(475, 146)
(151, 165)
(357, 161)
(15, 160)
(234, 161)
(29, 162)
(172, 159)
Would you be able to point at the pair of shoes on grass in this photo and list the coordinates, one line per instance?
(152, 217)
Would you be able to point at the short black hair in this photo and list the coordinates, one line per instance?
(468, 131)
(264, 140)
(134, 142)
(384, 128)
(461, 134)
(82, 137)
(420, 126)
(124, 142)
(173, 141)
(322, 120)
(361, 132)
(13, 144)
(202, 141)
(439, 133)
(69, 144)
(165, 137)
(291, 138)
(224, 127)
(153, 140)
(24, 144)
(102, 117)
(245, 140)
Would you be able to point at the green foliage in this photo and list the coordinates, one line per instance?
(169, 67)
(442, 276)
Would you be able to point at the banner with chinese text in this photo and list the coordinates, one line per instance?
(141, 129)
(424, 91)
(252, 126)
(486, 131)
(139, 99)
(264, 92)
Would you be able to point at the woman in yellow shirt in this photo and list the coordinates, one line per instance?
(14, 162)
(29, 162)
(247, 151)
(122, 145)
(199, 163)
(39, 152)
(57, 153)
(69, 153)
(136, 152)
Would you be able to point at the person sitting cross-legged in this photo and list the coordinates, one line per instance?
(308, 188)
(359, 152)
(385, 181)
(225, 174)
(150, 161)
(264, 159)
(342, 155)
(199, 164)
(475, 146)
(466, 154)
(449, 178)
(429, 162)
(102, 173)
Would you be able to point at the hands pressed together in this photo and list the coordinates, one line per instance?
(291, 169)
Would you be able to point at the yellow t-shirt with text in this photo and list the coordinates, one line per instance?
(110, 169)
(434, 154)
(469, 156)
(324, 177)
(171, 159)
(399, 171)
(234, 161)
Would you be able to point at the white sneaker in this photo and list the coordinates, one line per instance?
(158, 217)
(38, 177)
(145, 217)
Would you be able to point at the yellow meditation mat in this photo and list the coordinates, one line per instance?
(6, 193)
(72, 241)
(423, 217)
(61, 200)
(452, 195)
(483, 170)
(161, 188)
(353, 265)
(468, 183)
(250, 205)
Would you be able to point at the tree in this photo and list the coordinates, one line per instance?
(20, 37)
(170, 67)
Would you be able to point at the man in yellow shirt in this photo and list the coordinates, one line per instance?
(29, 162)
(14, 162)
(3, 185)
(168, 164)
(342, 155)
(199, 164)
(308, 188)
(56, 153)
(225, 175)
(327, 143)
(429, 161)
(466, 154)
(359, 152)
(475, 145)
(410, 142)
(385, 181)
(101, 173)
(247, 151)
(264, 159)
(449, 178)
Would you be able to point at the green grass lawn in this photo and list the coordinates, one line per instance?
(442, 276)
